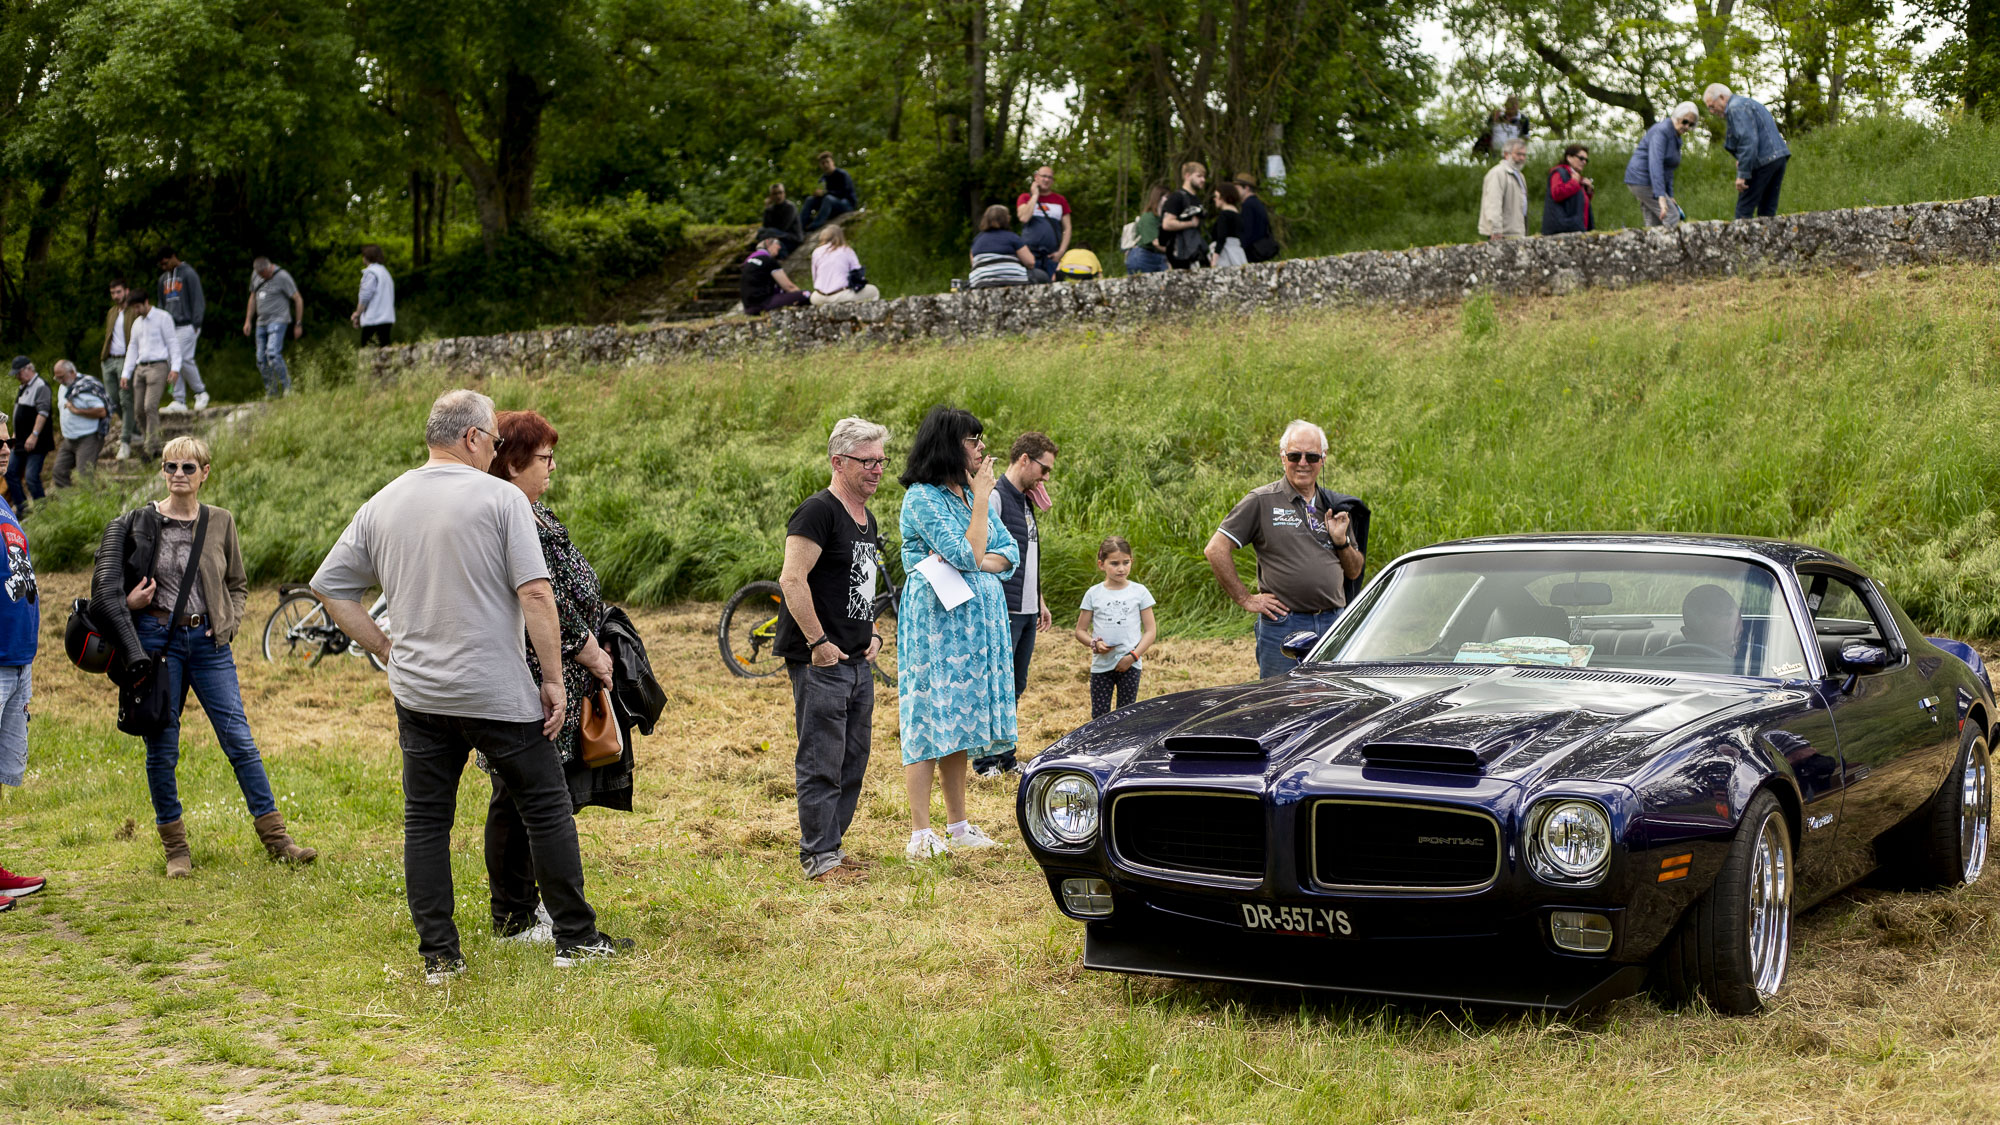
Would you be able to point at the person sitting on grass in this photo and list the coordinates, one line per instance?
(1116, 625)
(765, 286)
(836, 269)
(999, 257)
(835, 196)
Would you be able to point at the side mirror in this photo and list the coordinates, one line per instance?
(1861, 659)
(1296, 645)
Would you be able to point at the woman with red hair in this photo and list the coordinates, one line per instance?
(527, 458)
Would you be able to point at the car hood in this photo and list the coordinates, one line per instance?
(1510, 722)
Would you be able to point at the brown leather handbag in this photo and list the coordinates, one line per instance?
(597, 739)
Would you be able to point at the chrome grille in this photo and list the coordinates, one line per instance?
(1378, 845)
(1214, 834)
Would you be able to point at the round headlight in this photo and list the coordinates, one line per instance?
(1573, 840)
(1062, 810)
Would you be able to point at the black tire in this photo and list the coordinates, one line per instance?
(1956, 825)
(1720, 951)
(281, 629)
(885, 624)
(746, 632)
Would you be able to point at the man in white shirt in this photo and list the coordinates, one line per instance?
(375, 307)
(152, 360)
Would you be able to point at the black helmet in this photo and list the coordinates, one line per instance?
(88, 649)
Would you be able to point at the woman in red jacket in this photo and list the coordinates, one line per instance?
(1567, 208)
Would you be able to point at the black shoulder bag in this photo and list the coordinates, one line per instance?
(145, 707)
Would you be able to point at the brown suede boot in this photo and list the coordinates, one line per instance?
(271, 830)
(180, 862)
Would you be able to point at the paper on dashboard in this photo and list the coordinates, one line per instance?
(946, 581)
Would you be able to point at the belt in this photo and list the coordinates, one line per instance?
(184, 621)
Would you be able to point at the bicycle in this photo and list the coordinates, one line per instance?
(299, 629)
(749, 628)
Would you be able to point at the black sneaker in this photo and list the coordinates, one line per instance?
(603, 949)
(438, 970)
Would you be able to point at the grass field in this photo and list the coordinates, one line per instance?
(945, 992)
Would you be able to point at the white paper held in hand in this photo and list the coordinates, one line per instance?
(946, 580)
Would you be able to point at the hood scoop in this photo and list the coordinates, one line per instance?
(1234, 747)
(1422, 756)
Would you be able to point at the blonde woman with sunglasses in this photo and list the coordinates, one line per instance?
(145, 556)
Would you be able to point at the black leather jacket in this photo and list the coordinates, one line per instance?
(124, 558)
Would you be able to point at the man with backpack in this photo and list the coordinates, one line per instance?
(1045, 220)
(1260, 243)
(1180, 220)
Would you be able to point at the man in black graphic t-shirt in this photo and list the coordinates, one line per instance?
(826, 635)
(1180, 220)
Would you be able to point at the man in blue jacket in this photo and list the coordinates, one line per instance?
(1760, 150)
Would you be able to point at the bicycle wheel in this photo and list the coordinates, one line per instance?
(885, 624)
(296, 629)
(748, 629)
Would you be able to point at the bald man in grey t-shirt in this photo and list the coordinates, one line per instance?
(456, 552)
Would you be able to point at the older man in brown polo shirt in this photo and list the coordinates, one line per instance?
(1310, 545)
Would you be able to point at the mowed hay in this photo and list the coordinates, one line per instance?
(756, 996)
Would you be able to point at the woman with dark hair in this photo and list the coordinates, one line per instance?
(1227, 233)
(1566, 210)
(1145, 255)
(954, 666)
(526, 457)
(999, 257)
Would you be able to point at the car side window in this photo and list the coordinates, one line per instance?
(1841, 615)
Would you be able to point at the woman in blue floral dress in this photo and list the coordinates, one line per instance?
(954, 668)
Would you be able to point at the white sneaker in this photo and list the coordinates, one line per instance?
(124, 451)
(970, 840)
(174, 407)
(543, 932)
(926, 845)
(201, 401)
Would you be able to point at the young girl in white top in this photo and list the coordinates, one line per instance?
(1116, 625)
(833, 258)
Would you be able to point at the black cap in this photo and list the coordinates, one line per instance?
(20, 361)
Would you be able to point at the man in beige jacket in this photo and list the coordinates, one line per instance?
(1503, 197)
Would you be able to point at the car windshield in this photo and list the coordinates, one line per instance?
(1576, 609)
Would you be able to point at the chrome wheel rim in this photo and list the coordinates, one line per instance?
(1975, 810)
(1770, 905)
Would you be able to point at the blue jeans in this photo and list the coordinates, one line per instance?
(1271, 661)
(1761, 197)
(24, 471)
(822, 209)
(271, 358)
(190, 658)
(1141, 260)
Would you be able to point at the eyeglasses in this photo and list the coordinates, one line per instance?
(1046, 467)
(498, 441)
(1296, 456)
(550, 458)
(180, 468)
(868, 464)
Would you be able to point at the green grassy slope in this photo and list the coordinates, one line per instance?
(1851, 413)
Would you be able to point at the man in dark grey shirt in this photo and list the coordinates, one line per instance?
(1309, 545)
(276, 310)
(1020, 490)
(457, 553)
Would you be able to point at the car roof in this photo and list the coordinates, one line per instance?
(1779, 551)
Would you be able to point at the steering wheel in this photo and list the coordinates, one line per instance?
(1685, 649)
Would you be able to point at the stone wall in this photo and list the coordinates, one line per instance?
(1865, 238)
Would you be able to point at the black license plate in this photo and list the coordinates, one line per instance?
(1296, 921)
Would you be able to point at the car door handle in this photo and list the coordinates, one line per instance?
(1929, 705)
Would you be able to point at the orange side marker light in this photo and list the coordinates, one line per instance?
(1675, 867)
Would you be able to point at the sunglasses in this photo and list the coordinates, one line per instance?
(1047, 468)
(1296, 456)
(869, 464)
(180, 468)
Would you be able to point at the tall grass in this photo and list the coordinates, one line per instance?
(1854, 414)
